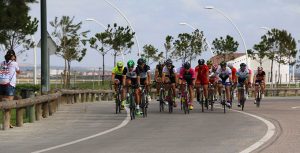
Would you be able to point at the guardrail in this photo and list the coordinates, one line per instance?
(46, 105)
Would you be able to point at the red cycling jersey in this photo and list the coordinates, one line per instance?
(202, 77)
(233, 71)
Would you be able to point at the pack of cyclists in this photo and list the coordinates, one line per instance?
(221, 76)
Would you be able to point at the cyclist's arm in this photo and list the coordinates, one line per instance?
(163, 77)
(156, 74)
(124, 79)
(113, 77)
(149, 77)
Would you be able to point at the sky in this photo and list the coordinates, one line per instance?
(153, 20)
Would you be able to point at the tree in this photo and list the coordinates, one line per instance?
(16, 25)
(259, 52)
(282, 48)
(70, 42)
(120, 39)
(189, 46)
(151, 53)
(225, 47)
(101, 42)
(168, 45)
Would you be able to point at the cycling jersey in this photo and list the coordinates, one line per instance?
(202, 70)
(234, 71)
(130, 75)
(187, 76)
(116, 71)
(159, 68)
(223, 74)
(260, 77)
(142, 71)
(170, 73)
(212, 76)
(242, 76)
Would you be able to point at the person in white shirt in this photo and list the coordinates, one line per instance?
(8, 76)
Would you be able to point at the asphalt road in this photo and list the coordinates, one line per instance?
(158, 133)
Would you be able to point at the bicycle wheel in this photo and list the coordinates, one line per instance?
(224, 101)
(258, 98)
(132, 107)
(161, 100)
(170, 101)
(118, 104)
(202, 101)
(242, 98)
(143, 104)
(211, 100)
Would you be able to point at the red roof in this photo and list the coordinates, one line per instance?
(218, 58)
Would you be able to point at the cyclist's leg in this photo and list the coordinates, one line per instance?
(256, 90)
(197, 86)
(158, 85)
(227, 91)
(191, 92)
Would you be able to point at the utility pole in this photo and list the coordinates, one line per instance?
(44, 51)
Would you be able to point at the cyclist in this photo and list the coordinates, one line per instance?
(242, 74)
(234, 77)
(116, 77)
(259, 79)
(224, 77)
(202, 72)
(158, 76)
(213, 76)
(143, 76)
(130, 78)
(188, 75)
(233, 73)
(170, 76)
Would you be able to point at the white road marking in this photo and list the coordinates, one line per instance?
(295, 107)
(270, 132)
(124, 123)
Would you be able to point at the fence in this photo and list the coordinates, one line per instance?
(46, 105)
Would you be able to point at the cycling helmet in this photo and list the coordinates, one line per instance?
(120, 64)
(259, 68)
(243, 65)
(187, 65)
(130, 64)
(168, 62)
(141, 61)
(209, 62)
(230, 65)
(201, 61)
(223, 63)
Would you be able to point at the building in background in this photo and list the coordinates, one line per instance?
(239, 58)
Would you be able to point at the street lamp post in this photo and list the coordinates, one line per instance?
(230, 20)
(34, 65)
(123, 15)
(99, 23)
(184, 23)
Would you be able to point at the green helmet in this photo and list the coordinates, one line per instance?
(120, 64)
(130, 63)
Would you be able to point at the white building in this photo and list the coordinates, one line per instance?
(266, 64)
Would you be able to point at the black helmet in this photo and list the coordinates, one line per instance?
(223, 63)
(168, 62)
(140, 61)
(243, 65)
(201, 61)
(186, 65)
